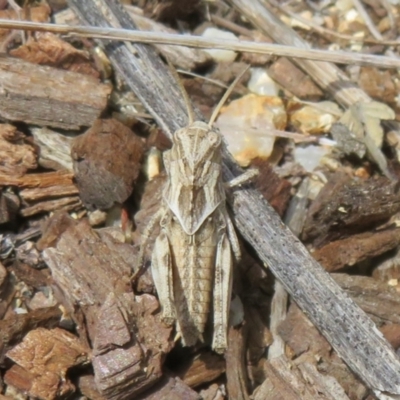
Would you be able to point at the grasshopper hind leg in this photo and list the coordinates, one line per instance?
(161, 268)
(222, 293)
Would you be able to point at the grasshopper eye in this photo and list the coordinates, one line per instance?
(214, 138)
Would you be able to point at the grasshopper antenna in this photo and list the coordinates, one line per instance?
(217, 109)
(185, 95)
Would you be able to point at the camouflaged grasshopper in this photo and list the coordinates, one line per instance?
(193, 255)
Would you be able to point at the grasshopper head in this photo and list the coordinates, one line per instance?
(197, 143)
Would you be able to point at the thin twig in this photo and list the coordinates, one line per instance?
(339, 57)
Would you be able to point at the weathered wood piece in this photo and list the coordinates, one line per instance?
(287, 381)
(284, 72)
(55, 148)
(236, 374)
(9, 206)
(106, 161)
(16, 154)
(15, 327)
(42, 361)
(44, 192)
(205, 368)
(92, 270)
(378, 299)
(47, 96)
(171, 388)
(275, 189)
(43, 180)
(46, 48)
(361, 345)
(358, 204)
(350, 251)
(312, 348)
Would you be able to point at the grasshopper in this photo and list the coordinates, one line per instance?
(194, 253)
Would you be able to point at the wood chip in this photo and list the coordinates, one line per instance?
(16, 154)
(204, 368)
(46, 96)
(358, 205)
(347, 252)
(171, 388)
(106, 163)
(48, 49)
(45, 357)
(15, 327)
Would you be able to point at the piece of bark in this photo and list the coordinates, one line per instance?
(9, 206)
(236, 374)
(16, 326)
(303, 277)
(275, 189)
(347, 206)
(350, 251)
(294, 80)
(171, 388)
(46, 96)
(122, 367)
(41, 300)
(42, 180)
(45, 192)
(37, 279)
(378, 299)
(286, 381)
(48, 49)
(64, 204)
(87, 387)
(203, 369)
(111, 328)
(312, 348)
(35, 194)
(55, 148)
(310, 341)
(53, 228)
(46, 355)
(79, 254)
(106, 163)
(128, 335)
(17, 155)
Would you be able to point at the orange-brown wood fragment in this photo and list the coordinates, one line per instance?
(16, 154)
(347, 252)
(48, 49)
(46, 355)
